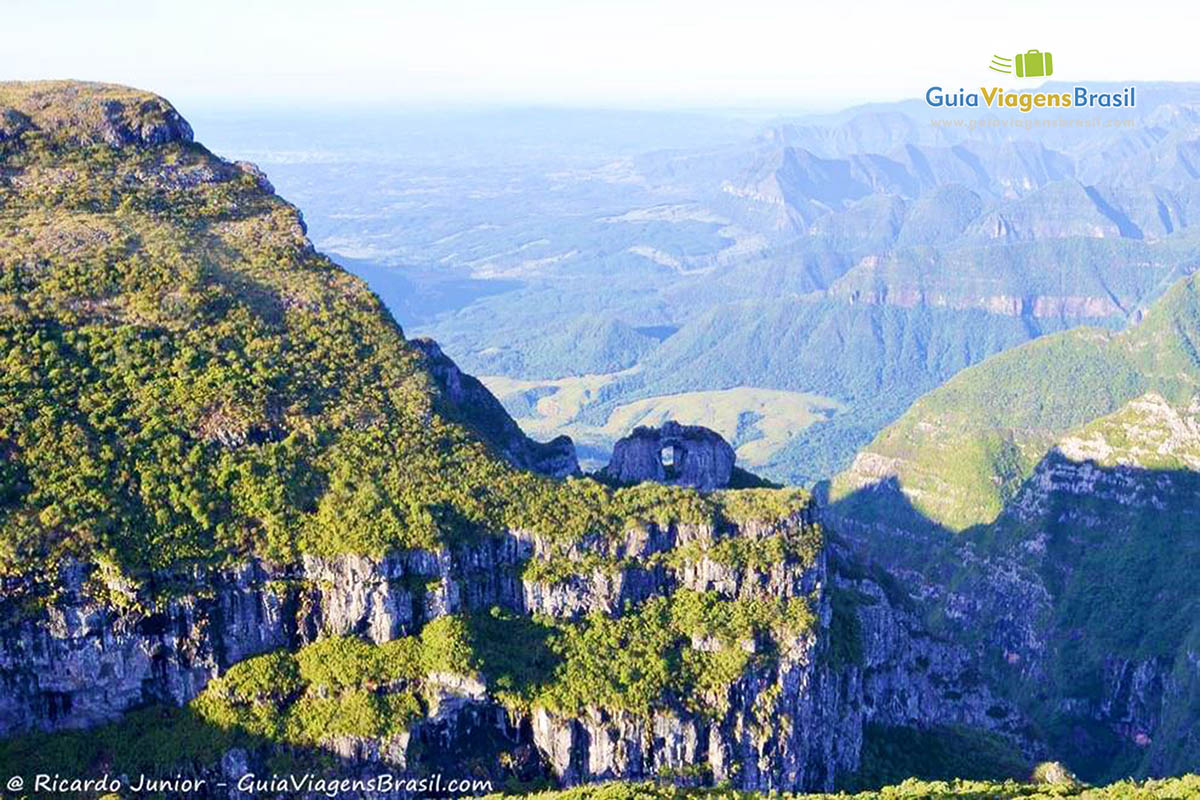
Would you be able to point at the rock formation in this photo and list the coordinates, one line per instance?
(468, 401)
(681, 455)
(769, 655)
(791, 722)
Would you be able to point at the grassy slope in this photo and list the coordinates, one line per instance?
(757, 422)
(186, 379)
(962, 450)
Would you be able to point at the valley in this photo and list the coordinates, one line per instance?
(864, 257)
(759, 423)
(252, 520)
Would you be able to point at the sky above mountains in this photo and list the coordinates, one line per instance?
(615, 53)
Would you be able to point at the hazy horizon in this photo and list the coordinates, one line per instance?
(768, 56)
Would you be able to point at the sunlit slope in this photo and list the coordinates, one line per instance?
(963, 449)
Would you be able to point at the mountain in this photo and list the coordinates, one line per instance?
(962, 450)
(246, 526)
(186, 379)
(603, 281)
(1044, 504)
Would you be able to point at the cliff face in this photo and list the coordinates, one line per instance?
(1081, 582)
(793, 721)
(99, 649)
(237, 503)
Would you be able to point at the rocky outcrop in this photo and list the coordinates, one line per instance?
(682, 455)
(782, 730)
(607, 575)
(99, 648)
(468, 401)
(90, 113)
(791, 721)
(1079, 584)
(800, 722)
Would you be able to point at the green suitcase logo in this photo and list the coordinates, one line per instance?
(1034, 64)
(1031, 64)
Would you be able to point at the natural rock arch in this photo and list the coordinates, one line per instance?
(683, 455)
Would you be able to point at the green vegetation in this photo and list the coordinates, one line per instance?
(1102, 542)
(294, 702)
(914, 789)
(873, 359)
(640, 661)
(824, 315)
(342, 686)
(798, 545)
(185, 380)
(158, 740)
(787, 539)
(345, 686)
(845, 631)
(966, 446)
(962, 450)
(588, 342)
(890, 755)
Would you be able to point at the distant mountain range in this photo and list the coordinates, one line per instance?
(864, 257)
(247, 525)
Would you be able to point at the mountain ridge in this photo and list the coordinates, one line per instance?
(245, 523)
(1047, 497)
(1088, 373)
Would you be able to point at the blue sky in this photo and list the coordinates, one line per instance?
(732, 54)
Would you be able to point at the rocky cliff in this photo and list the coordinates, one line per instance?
(1080, 579)
(245, 522)
(792, 718)
(682, 455)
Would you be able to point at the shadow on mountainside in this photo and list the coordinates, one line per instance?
(1080, 602)
(203, 759)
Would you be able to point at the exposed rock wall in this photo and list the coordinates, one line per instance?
(1039, 578)
(699, 457)
(94, 652)
(792, 722)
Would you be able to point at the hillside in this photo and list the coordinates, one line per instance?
(865, 257)
(186, 379)
(1043, 503)
(246, 526)
(962, 450)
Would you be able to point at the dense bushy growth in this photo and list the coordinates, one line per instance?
(1172, 789)
(184, 379)
(891, 755)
